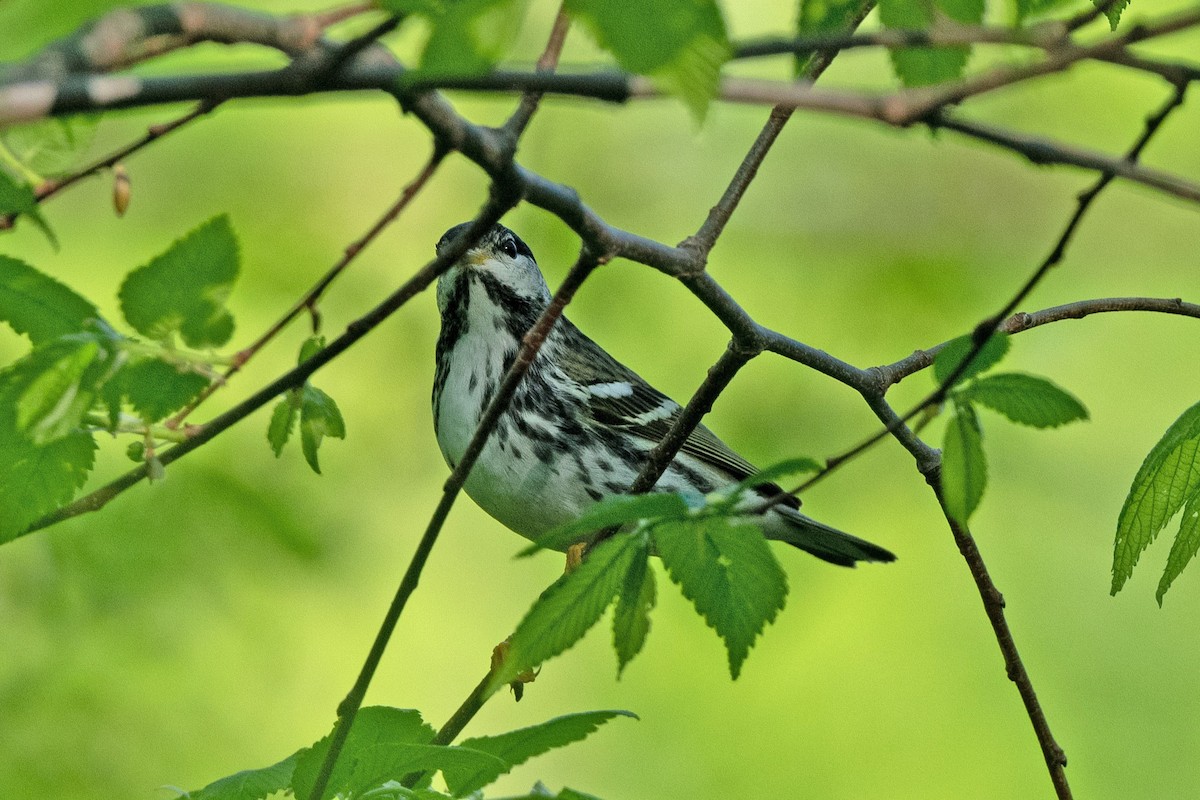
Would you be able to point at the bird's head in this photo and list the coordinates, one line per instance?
(500, 261)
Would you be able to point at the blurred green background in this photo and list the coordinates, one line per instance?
(211, 623)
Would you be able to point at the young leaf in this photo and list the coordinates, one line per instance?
(516, 747)
(949, 357)
(283, 422)
(631, 620)
(1184, 548)
(38, 306)
(620, 509)
(569, 607)
(471, 36)
(1169, 477)
(683, 43)
(183, 290)
(250, 784)
(729, 573)
(919, 66)
(1026, 399)
(964, 468)
(319, 417)
(18, 198)
(156, 388)
(35, 480)
(312, 345)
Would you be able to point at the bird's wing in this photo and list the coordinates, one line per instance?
(619, 398)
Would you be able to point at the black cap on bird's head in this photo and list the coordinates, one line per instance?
(500, 260)
(499, 239)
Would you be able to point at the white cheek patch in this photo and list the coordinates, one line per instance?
(616, 389)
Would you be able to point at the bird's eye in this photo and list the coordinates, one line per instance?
(509, 248)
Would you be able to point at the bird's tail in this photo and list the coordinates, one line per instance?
(824, 542)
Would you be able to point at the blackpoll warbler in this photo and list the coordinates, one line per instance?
(580, 424)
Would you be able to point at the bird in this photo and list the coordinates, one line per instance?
(580, 424)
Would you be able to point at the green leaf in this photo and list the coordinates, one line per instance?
(620, 509)
(38, 306)
(50, 146)
(37, 479)
(312, 345)
(384, 744)
(1184, 548)
(569, 607)
(729, 573)
(156, 388)
(1168, 478)
(283, 422)
(919, 66)
(184, 290)
(1112, 11)
(825, 16)
(964, 468)
(319, 417)
(517, 747)
(18, 198)
(55, 399)
(250, 784)
(631, 620)
(682, 43)
(1026, 399)
(950, 356)
(471, 36)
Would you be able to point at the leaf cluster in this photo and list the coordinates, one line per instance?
(710, 548)
(390, 753)
(1024, 399)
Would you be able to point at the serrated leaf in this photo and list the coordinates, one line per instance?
(18, 198)
(37, 479)
(616, 510)
(382, 741)
(681, 43)
(50, 146)
(250, 784)
(156, 389)
(920, 66)
(1026, 399)
(569, 607)
(729, 573)
(283, 422)
(631, 619)
(1168, 478)
(1112, 11)
(183, 290)
(319, 417)
(964, 467)
(949, 357)
(1184, 548)
(36, 305)
(517, 747)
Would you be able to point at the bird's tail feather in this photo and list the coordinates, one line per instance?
(825, 542)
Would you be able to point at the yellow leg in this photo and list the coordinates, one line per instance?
(499, 652)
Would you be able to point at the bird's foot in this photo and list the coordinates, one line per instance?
(575, 556)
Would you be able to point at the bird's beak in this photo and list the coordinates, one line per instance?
(476, 258)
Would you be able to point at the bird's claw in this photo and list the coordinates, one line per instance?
(499, 653)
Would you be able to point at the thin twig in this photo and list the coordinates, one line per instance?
(54, 186)
(546, 63)
(313, 295)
